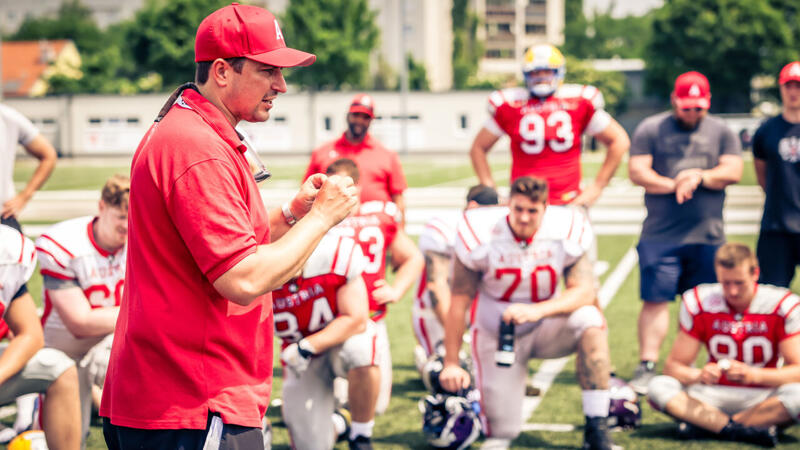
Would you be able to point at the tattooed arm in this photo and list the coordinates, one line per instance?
(465, 286)
(437, 270)
(579, 283)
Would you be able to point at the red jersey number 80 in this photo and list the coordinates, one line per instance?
(543, 282)
(532, 131)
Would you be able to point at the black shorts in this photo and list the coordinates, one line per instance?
(233, 437)
(12, 222)
(778, 255)
(668, 269)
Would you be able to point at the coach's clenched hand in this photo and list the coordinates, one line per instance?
(336, 198)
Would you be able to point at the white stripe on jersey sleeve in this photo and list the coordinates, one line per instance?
(599, 122)
(437, 236)
(790, 310)
(17, 262)
(323, 257)
(580, 235)
(688, 310)
(53, 258)
(358, 262)
(493, 127)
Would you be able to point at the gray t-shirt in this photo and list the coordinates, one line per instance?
(15, 129)
(699, 220)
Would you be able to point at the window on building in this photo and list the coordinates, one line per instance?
(328, 124)
(463, 122)
(531, 28)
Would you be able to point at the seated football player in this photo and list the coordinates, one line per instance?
(376, 227)
(25, 367)
(82, 262)
(322, 317)
(513, 259)
(432, 295)
(741, 393)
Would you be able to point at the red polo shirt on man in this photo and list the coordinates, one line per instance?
(180, 349)
(380, 173)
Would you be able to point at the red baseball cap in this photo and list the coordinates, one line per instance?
(246, 31)
(790, 72)
(692, 91)
(362, 103)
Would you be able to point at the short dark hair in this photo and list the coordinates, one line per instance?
(482, 194)
(533, 188)
(733, 254)
(345, 165)
(201, 72)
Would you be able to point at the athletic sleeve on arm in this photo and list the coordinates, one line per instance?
(397, 179)
(642, 140)
(207, 208)
(27, 130)
(759, 151)
(579, 237)
(731, 144)
(689, 308)
(790, 310)
(52, 283)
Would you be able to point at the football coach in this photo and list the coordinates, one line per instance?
(191, 363)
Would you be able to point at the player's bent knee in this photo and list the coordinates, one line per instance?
(789, 396)
(52, 364)
(585, 318)
(662, 389)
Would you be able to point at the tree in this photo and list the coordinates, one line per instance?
(74, 21)
(467, 50)
(611, 84)
(342, 33)
(604, 36)
(729, 41)
(160, 39)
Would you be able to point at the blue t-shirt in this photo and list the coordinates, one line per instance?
(777, 142)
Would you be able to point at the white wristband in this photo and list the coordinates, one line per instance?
(288, 215)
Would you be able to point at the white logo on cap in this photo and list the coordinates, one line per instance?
(278, 34)
(794, 71)
(694, 91)
(365, 100)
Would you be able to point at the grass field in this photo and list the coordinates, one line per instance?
(400, 427)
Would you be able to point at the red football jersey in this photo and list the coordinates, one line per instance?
(308, 303)
(752, 337)
(546, 133)
(374, 227)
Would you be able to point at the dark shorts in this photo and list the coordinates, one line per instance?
(234, 437)
(778, 256)
(668, 269)
(12, 222)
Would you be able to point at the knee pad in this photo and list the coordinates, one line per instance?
(661, 390)
(789, 396)
(584, 318)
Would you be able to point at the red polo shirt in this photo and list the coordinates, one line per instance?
(180, 349)
(380, 173)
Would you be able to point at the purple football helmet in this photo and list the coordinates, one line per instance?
(624, 410)
(451, 421)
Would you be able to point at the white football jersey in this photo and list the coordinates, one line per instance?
(67, 251)
(513, 271)
(438, 236)
(17, 263)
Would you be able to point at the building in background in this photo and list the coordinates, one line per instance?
(28, 64)
(511, 26)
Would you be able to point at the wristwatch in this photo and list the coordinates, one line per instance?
(288, 216)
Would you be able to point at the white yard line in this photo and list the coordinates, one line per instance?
(550, 368)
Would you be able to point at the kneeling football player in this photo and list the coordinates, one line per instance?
(322, 318)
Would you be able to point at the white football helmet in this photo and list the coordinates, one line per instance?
(543, 57)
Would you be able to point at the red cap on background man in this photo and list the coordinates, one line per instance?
(246, 31)
(790, 72)
(363, 103)
(692, 91)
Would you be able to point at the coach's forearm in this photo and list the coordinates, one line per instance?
(617, 144)
(273, 264)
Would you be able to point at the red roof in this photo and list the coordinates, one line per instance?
(25, 61)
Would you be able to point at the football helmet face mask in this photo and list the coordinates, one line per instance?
(624, 410)
(543, 67)
(451, 421)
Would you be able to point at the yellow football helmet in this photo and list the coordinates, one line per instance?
(543, 57)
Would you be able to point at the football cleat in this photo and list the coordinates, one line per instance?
(642, 376)
(595, 435)
(624, 410)
(360, 443)
(539, 58)
(451, 421)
